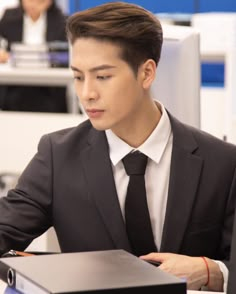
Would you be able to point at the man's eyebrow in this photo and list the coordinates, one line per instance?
(96, 68)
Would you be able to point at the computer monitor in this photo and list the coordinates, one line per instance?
(177, 84)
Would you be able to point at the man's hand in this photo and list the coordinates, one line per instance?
(192, 269)
(4, 56)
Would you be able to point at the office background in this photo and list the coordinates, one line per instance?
(181, 6)
(159, 6)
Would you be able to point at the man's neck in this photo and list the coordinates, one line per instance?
(138, 132)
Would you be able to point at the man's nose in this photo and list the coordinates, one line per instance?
(89, 91)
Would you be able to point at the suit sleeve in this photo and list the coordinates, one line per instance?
(229, 220)
(26, 211)
(11, 26)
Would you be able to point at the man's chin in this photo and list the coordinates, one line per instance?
(100, 127)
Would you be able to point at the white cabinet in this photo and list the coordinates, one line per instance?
(218, 43)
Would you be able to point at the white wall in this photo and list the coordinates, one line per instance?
(212, 111)
(218, 43)
(64, 4)
(11, 3)
(7, 4)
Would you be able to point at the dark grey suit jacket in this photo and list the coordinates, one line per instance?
(69, 185)
(231, 287)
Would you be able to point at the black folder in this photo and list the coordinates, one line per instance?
(112, 271)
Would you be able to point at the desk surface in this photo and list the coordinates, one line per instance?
(35, 76)
(41, 77)
(3, 288)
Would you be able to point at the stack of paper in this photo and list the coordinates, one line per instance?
(29, 56)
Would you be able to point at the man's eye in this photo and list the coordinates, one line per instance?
(103, 77)
(78, 78)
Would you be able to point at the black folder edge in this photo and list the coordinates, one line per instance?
(9, 276)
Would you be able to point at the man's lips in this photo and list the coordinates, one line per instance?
(94, 110)
(94, 113)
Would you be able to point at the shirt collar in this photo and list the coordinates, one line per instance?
(39, 21)
(153, 147)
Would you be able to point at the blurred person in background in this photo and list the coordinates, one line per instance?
(32, 22)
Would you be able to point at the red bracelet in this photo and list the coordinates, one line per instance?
(208, 271)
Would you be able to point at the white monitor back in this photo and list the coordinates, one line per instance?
(177, 84)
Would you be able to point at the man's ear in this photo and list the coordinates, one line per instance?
(148, 73)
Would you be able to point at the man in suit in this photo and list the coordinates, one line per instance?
(32, 22)
(77, 181)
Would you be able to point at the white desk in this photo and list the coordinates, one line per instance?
(41, 77)
(35, 76)
(203, 292)
(3, 287)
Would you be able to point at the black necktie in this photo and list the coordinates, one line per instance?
(138, 224)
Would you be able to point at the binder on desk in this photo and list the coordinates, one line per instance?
(112, 271)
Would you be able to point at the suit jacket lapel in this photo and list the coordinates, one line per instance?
(50, 30)
(101, 184)
(184, 179)
(16, 34)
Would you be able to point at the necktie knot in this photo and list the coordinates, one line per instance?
(135, 163)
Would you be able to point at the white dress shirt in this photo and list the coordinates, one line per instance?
(158, 148)
(34, 32)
